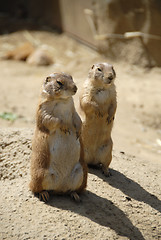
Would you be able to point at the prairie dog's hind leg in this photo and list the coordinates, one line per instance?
(76, 181)
(76, 176)
(105, 157)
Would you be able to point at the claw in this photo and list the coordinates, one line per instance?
(44, 196)
(65, 130)
(99, 114)
(75, 196)
(109, 120)
(106, 172)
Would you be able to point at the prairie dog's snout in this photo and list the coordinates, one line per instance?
(110, 77)
(109, 73)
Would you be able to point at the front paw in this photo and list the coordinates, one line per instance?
(110, 119)
(98, 113)
(64, 129)
(78, 133)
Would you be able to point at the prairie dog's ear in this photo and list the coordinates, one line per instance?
(47, 79)
(114, 73)
(92, 66)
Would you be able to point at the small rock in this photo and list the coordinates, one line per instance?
(122, 152)
(128, 198)
(40, 58)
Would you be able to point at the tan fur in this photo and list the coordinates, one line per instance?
(98, 102)
(57, 156)
(20, 53)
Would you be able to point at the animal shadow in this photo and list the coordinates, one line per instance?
(129, 187)
(100, 211)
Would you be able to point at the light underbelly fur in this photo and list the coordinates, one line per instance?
(65, 173)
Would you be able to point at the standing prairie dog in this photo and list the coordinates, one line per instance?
(98, 102)
(57, 155)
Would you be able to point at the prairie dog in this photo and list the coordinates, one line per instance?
(98, 102)
(57, 155)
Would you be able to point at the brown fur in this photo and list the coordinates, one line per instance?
(39, 160)
(84, 166)
(98, 103)
(51, 121)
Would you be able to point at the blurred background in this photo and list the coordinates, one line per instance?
(39, 37)
(123, 30)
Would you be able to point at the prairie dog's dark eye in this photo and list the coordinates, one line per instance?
(99, 69)
(60, 83)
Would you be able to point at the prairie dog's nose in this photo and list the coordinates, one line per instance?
(75, 88)
(110, 76)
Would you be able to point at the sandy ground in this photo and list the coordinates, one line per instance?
(125, 206)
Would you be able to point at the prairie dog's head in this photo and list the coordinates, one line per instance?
(102, 73)
(59, 85)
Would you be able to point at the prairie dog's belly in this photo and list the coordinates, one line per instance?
(95, 134)
(95, 129)
(63, 146)
(65, 172)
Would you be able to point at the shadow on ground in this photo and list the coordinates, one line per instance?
(129, 187)
(100, 211)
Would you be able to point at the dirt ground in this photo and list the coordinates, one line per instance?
(124, 206)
